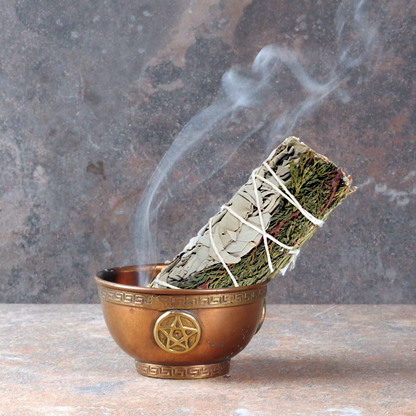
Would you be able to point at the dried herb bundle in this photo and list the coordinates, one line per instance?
(316, 183)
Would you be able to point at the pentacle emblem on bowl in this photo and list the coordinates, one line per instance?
(177, 332)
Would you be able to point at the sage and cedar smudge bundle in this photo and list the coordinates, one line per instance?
(228, 240)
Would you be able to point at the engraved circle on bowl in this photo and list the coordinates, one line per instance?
(177, 332)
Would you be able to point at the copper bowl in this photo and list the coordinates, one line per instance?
(179, 334)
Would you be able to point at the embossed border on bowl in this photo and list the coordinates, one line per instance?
(146, 297)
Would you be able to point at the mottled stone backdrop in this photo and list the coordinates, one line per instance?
(94, 93)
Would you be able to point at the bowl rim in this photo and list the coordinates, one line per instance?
(153, 291)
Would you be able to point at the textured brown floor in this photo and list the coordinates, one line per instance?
(305, 361)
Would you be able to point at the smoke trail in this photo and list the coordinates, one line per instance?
(251, 100)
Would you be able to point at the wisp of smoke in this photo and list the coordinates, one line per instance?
(250, 100)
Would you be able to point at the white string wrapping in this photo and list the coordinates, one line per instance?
(292, 250)
(254, 227)
(263, 228)
(289, 196)
(291, 264)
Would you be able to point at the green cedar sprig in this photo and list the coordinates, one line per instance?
(319, 187)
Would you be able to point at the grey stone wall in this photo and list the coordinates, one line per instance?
(94, 93)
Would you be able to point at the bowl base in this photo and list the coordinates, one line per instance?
(183, 372)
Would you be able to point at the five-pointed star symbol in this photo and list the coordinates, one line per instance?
(177, 333)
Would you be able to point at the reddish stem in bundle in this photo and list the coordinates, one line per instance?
(204, 285)
(333, 183)
(274, 232)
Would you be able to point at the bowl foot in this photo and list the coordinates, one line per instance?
(183, 372)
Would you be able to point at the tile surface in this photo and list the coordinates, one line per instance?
(345, 360)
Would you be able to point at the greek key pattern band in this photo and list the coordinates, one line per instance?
(162, 302)
(183, 372)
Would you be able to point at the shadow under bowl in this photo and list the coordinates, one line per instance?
(179, 333)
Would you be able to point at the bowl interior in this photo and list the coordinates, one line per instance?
(129, 276)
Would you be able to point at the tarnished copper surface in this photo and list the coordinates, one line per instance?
(167, 330)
